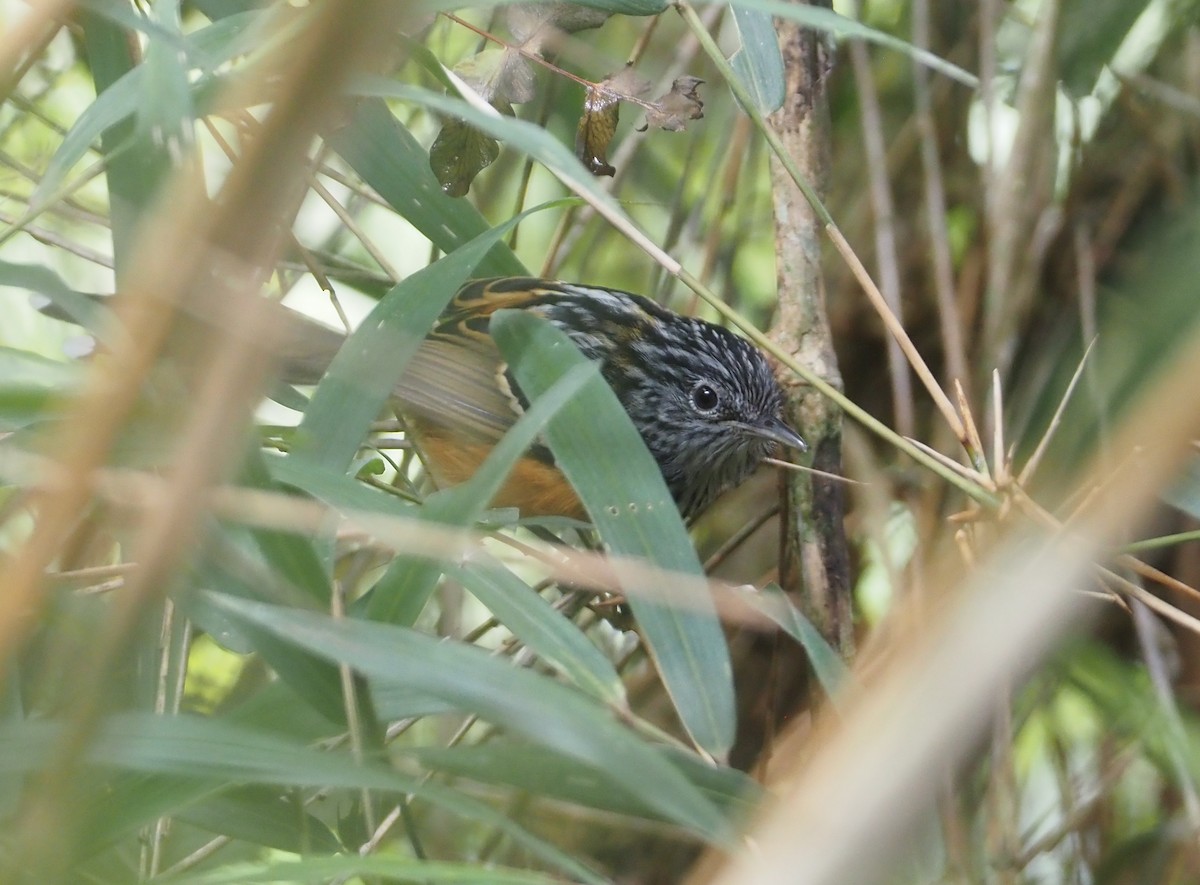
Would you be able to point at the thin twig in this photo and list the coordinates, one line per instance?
(1056, 419)
(975, 441)
(738, 538)
(63, 193)
(351, 224)
(534, 57)
(804, 468)
(50, 238)
(896, 328)
(961, 469)
(999, 463)
(886, 257)
(201, 854)
(1146, 629)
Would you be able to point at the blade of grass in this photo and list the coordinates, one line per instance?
(522, 701)
(596, 445)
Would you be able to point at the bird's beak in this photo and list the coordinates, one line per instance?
(776, 431)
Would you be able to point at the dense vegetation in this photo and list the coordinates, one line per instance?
(242, 638)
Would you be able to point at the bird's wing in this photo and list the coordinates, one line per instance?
(459, 384)
(456, 381)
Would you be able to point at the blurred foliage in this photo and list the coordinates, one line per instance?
(323, 672)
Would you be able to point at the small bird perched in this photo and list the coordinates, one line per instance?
(704, 400)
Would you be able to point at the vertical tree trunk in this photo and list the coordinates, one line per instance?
(813, 563)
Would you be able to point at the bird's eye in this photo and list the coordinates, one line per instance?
(704, 398)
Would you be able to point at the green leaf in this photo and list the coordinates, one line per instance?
(29, 385)
(627, 7)
(114, 104)
(519, 134)
(396, 700)
(291, 557)
(64, 302)
(1089, 35)
(601, 453)
(387, 157)
(772, 602)
(404, 589)
(340, 868)
(365, 371)
(541, 627)
(136, 161)
(458, 154)
(536, 770)
(232, 561)
(759, 63)
(131, 19)
(524, 702)
(847, 28)
(131, 801)
(260, 816)
(165, 114)
(209, 749)
(624, 7)
(337, 489)
(208, 48)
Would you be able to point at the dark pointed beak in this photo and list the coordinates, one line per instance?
(776, 431)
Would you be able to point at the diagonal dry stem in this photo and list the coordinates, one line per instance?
(1055, 420)
(999, 462)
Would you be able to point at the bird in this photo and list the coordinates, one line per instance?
(703, 399)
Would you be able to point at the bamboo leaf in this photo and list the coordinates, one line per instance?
(534, 769)
(391, 161)
(524, 702)
(366, 369)
(828, 667)
(840, 27)
(759, 62)
(404, 589)
(29, 384)
(541, 627)
(597, 447)
(325, 869)
(200, 748)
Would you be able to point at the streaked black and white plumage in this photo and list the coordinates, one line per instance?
(703, 399)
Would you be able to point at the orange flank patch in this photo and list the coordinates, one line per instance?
(534, 488)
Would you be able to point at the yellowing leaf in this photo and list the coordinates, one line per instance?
(597, 126)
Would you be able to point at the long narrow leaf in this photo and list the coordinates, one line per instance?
(339, 868)
(830, 670)
(597, 447)
(524, 702)
(394, 164)
(541, 627)
(401, 594)
(195, 747)
(839, 26)
(365, 371)
(759, 62)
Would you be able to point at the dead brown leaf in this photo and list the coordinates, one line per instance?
(597, 126)
(598, 123)
(673, 109)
